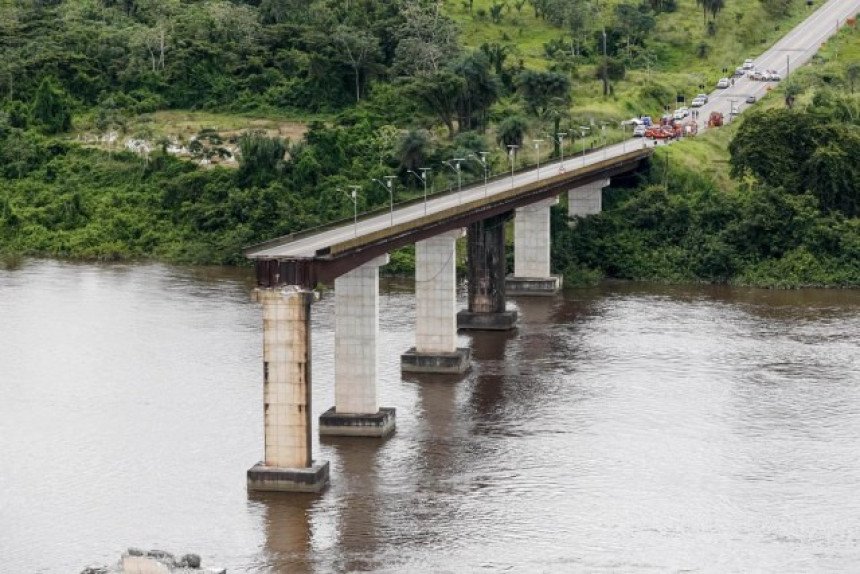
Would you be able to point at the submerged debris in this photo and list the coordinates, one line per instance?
(137, 561)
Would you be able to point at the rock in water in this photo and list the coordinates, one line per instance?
(190, 561)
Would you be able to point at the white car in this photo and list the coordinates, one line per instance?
(639, 131)
(703, 97)
(748, 64)
(681, 113)
(723, 83)
(697, 102)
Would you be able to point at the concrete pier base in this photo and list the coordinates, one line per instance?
(378, 424)
(262, 478)
(288, 465)
(436, 362)
(538, 286)
(486, 277)
(356, 410)
(435, 349)
(501, 321)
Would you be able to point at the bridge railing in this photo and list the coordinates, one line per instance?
(382, 210)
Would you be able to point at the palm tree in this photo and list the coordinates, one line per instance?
(712, 6)
(414, 149)
(511, 131)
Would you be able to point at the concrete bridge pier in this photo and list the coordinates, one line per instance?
(435, 349)
(287, 463)
(356, 411)
(486, 276)
(532, 252)
(587, 199)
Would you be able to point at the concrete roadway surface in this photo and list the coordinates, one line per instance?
(800, 45)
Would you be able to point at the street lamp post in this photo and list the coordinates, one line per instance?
(583, 130)
(512, 153)
(456, 168)
(603, 137)
(389, 183)
(560, 136)
(389, 187)
(537, 150)
(423, 178)
(484, 164)
(353, 196)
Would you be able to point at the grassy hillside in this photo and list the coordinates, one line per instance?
(678, 56)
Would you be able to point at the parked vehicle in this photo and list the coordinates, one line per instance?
(739, 72)
(697, 102)
(756, 75)
(723, 83)
(703, 97)
(687, 129)
(681, 113)
(774, 76)
(750, 99)
(715, 120)
(660, 132)
(639, 131)
(748, 64)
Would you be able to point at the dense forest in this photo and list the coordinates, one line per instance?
(386, 87)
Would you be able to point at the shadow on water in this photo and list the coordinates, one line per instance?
(286, 524)
(11, 262)
(355, 486)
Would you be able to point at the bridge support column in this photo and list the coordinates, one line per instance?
(287, 464)
(532, 252)
(356, 409)
(435, 349)
(587, 199)
(486, 275)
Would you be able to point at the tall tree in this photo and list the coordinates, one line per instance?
(427, 39)
(358, 49)
(438, 93)
(50, 110)
(479, 92)
(543, 91)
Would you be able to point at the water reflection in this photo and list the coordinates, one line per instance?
(624, 428)
(355, 485)
(286, 525)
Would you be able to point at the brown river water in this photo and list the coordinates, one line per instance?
(630, 428)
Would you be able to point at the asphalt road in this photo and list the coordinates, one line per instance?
(798, 46)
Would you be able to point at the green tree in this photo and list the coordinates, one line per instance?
(426, 40)
(480, 90)
(438, 93)
(358, 49)
(50, 110)
(853, 74)
(511, 131)
(414, 149)
(261, 158)
(633, 22)
(543, 90)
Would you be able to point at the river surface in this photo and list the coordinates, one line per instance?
(627, 428)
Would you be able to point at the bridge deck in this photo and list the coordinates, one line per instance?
(328, 254)
(577, 171)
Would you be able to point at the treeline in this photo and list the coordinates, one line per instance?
(794, 220)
